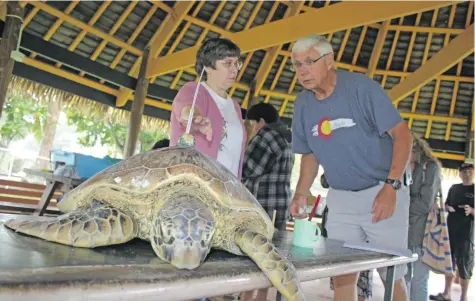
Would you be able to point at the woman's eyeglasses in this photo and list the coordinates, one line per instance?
(229, 64)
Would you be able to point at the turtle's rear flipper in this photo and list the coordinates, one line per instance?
(281, 273)
(90, 226)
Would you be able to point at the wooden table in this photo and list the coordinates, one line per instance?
(33, 269)
(53, 183)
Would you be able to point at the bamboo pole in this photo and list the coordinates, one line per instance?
(137, 107)
(10, 38)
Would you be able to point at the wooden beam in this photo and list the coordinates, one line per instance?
(158, 42)
(3, 10)
(456, 50)
(90, 29)
(10, 38)
(137, 108)
(378, 46)
(168, 27)
(273, 52)
(322, 21)
(60, 82)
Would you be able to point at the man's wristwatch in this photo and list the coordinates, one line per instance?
(396, 184)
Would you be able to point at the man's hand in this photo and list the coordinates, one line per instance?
(200, 124)
(298, 208)
(468, 209)
(384, 203)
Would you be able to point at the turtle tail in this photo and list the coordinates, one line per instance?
(280, 272)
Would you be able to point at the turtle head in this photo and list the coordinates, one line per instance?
(182, 231)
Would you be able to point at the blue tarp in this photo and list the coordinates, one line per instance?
(86, 166)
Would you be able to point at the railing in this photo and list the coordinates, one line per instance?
(20, 198)
(12, 165)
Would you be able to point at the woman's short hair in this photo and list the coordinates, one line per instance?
(213, 50)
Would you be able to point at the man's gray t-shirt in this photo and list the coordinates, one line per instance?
(347, 132)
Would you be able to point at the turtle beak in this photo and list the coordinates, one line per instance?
(182, 232)
(188, 255)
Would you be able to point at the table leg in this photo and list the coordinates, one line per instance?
(46, 198)
(389, 284)
(279, 297)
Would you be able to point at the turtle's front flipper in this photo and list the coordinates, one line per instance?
(281, 272)
(91, 226)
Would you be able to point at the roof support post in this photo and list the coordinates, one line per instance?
(137, 107)
(10, 38)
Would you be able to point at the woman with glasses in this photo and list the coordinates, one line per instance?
(216, 116)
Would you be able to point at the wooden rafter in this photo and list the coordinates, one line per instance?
(273, 52)
(291, 28)
(158, 41)
(378, 46)
(456, 50)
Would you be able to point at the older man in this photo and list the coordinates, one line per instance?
(346, 122)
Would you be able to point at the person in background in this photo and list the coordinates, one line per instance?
(267, 168)
(347, 123)
(161, 144)
(426, 178)
(460, 204)
(365, 280)
(216, 117)
(67, 171)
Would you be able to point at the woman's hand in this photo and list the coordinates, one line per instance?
(200, 123)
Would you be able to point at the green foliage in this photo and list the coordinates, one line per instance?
(22, 115)
(100, 129)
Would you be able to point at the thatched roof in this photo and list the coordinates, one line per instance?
(45, 94)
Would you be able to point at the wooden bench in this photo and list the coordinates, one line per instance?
(23, 198)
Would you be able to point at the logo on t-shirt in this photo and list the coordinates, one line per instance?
(224, 135)
(326, 126)
(469, 195)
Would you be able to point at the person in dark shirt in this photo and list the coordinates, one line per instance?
(460, 206)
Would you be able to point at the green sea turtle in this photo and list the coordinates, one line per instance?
(180, 200)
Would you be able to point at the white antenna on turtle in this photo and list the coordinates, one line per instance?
(187, 139)
(190, 118)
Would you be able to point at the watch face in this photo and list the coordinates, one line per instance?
(397, 185)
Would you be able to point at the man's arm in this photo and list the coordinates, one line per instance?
(308, 162)
(381, 113)
(308, 173)
(401, 150)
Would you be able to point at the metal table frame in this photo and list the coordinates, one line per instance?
(33, 269)
(53, 183)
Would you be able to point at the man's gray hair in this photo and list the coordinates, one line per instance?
(319, 43)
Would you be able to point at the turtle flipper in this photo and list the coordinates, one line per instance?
(281, 273)
(90, 226)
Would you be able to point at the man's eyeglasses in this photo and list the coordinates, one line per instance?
(308, 63)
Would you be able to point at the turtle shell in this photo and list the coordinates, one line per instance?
(146, 172)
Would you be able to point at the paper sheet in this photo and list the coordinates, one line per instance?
(377, 248)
